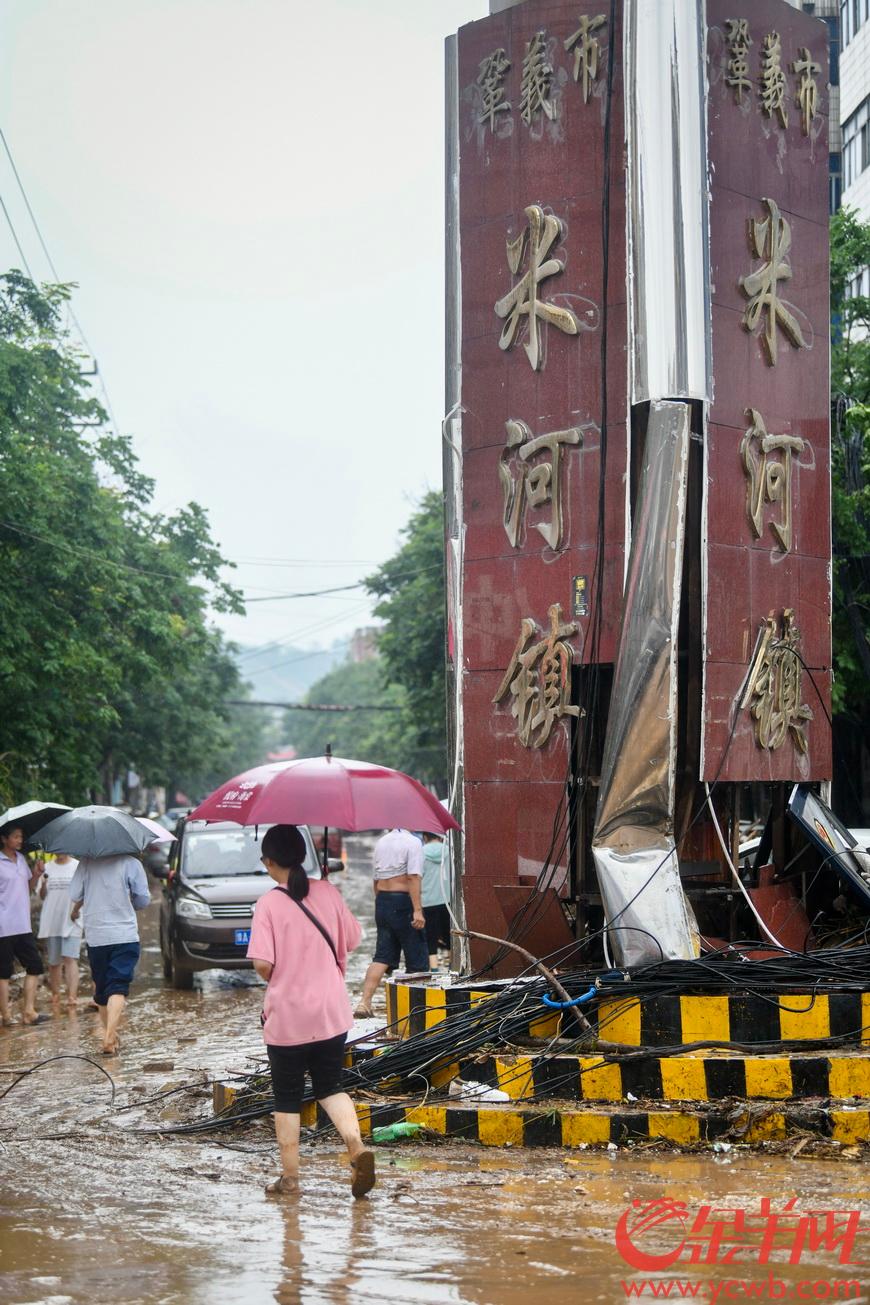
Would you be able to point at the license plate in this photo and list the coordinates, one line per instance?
(242, 936)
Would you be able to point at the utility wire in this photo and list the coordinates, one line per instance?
(48, 258)
(21, 252)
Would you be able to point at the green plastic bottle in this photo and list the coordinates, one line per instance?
(392, 1132)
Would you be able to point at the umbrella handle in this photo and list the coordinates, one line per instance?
(326, 854)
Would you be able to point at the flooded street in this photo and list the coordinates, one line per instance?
(93, 1210)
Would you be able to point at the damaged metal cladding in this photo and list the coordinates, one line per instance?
(669, 295)
(668, 200)
(633, 843)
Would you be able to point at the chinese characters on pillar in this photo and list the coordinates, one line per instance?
(739, 42)
(772, 83)
(536, 82)
(522, 302)
(773, 691)
(493, 71)
(767, 461)
(586, 51)
(528, 483)
(535, 92)
(773, 87)
(538, 679)
(770, 240)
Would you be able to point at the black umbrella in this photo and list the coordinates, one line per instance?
(30, 817)
(94, 831)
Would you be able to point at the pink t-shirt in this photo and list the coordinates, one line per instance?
(306, 1000)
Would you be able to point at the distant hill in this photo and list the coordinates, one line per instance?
(283, 673)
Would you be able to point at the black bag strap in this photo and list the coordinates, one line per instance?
(314, 920)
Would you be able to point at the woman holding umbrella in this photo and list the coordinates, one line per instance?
(16, 931)
(300, 938)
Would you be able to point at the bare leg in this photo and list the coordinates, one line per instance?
(54, 985)
(287, 1129)
(374, 974)
(4, 1002)
(114, 1013)
(341, 1111)
(31, 983)
(71, 975)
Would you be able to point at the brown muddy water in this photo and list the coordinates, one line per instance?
(91, 1211)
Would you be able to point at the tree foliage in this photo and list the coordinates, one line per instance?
(850, 468)
(407, 676)
(107, 656)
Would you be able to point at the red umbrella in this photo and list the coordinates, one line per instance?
(326, 791)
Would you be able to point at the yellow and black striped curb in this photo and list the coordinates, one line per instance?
(660, 1020)
(671, 1078)
(562, 1126)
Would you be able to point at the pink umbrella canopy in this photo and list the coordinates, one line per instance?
(161, 835)
(327, 791)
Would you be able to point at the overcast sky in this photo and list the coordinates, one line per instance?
(250, 196)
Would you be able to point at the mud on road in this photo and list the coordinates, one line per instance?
(93, 1210)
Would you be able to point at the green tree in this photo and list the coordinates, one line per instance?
(107, 656)
(850, 469)
(412, 644)
(378, 736)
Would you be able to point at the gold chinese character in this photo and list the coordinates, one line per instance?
(539, 679)
(770, 239)
(586, 51)
(533, 485)
(537, 76)
(738, 65)
(808, 94)
(542, 233)
(769, 479)
(773, 691)
(773, 78)
(492, 73)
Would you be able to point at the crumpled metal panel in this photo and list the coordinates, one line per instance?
(668, 198)
(633, 844)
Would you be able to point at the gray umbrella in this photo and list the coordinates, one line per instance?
(94, 831)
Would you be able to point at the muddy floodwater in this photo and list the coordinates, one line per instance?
(92, 1210)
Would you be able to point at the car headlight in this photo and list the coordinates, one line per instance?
(193, 906)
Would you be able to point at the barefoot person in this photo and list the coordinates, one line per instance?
(61, 934)
(111, 889)
(16, 931)
(300, 938)
(397, 862)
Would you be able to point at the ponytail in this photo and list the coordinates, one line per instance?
(285, 845)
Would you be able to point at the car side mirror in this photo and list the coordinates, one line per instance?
(335, 865)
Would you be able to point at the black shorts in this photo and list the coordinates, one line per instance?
(324, 1061)
(19, 947)
(437, 927)
(396, 934)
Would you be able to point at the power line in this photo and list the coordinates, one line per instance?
(21, 252)
(314, 706)
(48, 258)
(340, 589)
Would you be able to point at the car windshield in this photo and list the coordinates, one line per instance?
(209, 853)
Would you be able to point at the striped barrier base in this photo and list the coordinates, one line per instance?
(560, 1125)
(657, 1021)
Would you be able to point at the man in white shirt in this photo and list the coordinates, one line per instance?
(398, 868)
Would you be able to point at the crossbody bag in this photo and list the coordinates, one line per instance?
(314, 920)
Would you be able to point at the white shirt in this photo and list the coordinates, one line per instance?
(397, 853)
(54, 918)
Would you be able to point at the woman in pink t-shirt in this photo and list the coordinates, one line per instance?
(300, 937)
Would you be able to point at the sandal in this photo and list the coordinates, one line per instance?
(283, 1186)
(364, 1013)
(363, 1168)
(37, 1019)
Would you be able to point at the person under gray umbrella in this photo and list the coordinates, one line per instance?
(108, 888)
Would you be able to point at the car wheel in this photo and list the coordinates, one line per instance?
(179, 977)
(164, 958)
